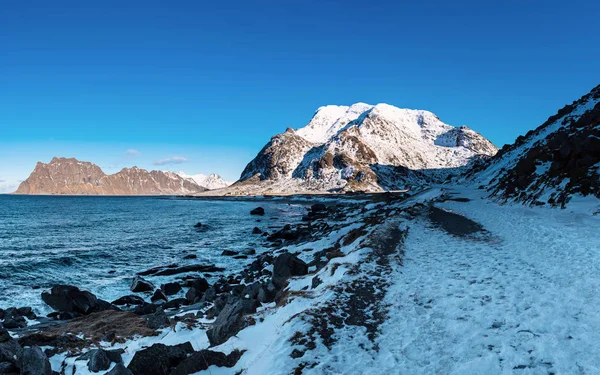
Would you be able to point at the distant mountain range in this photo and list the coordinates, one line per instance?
(378, 148)
(69, 176)
(211, 182)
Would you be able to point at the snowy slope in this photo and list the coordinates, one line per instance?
(550, 164)
(348, 148)
(211, 182)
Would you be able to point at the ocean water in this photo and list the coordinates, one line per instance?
(99, 243)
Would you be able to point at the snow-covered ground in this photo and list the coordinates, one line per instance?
(518, 297)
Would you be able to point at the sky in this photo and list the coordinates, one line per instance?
(201, 86)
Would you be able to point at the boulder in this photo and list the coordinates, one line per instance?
(170, 288)
(119, 369)
(69, 299)
(159, 359)
(158, 297)
(202, 360)
(287, 265)
(190, 256)
(258, 211)
(230, 320)
(158, 320)
(33, 361)
(175, 303)
(229, 253)
(257, 230)
(138, 284)
(99, 361)
(9, 347)
(129, 300)
(198, 225)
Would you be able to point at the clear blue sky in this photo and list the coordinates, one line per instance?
(211, 81)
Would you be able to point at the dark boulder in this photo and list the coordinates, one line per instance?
(258, 211)
(159, 359)
(230, 320)
(158, 320)
(9, 347)
(229, 253)
(257, 230)
(33, 361)
(119, 369)
(129, 300)
(138, 284)
(98, 360)
(7, 368)
(190, 256)
(318, 207)
(69, 299)
(198, 225)
(287, 265)
(202, 360)
(170, 288)
(158, 297)
(175, 303)
(145, 309)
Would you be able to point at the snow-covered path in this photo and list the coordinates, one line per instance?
(522, 300)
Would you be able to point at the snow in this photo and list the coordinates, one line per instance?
(211, 182)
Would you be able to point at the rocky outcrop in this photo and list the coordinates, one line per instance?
(551, 164)
(63, 176)
(363, 147)
(69, 299)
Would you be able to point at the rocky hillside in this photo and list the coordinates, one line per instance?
(364, 147)
(64, 176)
(553, 163)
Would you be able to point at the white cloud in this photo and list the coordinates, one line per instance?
(8, 186)
(132, 152)
(171, 160)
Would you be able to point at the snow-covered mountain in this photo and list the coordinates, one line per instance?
(73, 177)
(211, 182)
(364, 147)
(551, 164)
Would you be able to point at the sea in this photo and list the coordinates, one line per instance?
(100, 243)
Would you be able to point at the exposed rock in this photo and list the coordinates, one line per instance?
(170, 288)
(174, 270)
(129, 300)
(229, 253)
(138, 284)
(230, 320)
(158, 297)
(33, 361)
(257, 230)
(67, 298)
(159, 359)
(119, 369)
(287, 265)
(158, 320)
(9, 347)
(258, 211)
(175, 303)
(73, 177)
(202, 360)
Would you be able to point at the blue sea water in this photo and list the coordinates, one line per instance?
(99, 243)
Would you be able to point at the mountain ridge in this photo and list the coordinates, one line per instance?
(363, 147)
(69, 176)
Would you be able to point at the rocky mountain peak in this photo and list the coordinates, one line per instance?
(360, 146)
(73, 177)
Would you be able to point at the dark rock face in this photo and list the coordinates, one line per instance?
(230, 320)
(9, 348)
(159, 359)
(175, 303)
(69, 299)
(99, 361)
(258, 211)
(553, 162)
(170, 288)
(33, 361)
(257, 230)
(203, 359)
(138, 284)
(228, 253)
(287, 265)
